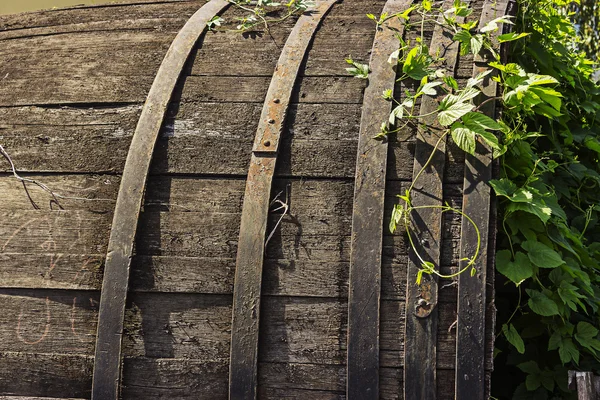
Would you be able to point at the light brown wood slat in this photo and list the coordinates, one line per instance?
(257, 200)
(367, 217)
(422, 300)
(471, 350)
(107, 358)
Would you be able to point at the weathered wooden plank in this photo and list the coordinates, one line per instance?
(70, 19)
(43, 321)
(56, 90)
(95, 193)
(422, 309)
(53, 232)
(46, 375)
(472, 306)
(138, 47)
(57, 376)
(302, 330)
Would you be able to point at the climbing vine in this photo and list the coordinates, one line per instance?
(259, 14)
(549, 185)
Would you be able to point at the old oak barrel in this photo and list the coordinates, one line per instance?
(218, 226)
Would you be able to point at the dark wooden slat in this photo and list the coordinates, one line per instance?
(255, 211)
(107, 360)
(367, 217)
(422, 300)
(470, 341)
(585, 383)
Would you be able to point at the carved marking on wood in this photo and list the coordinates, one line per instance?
(46, 328)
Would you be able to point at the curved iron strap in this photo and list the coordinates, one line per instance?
(107, 361)
(472, 303)
(367, 216)
(255, 211)
(420, 338)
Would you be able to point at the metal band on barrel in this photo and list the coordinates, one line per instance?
(107, 361)
(422, 300)
(255, 211)
(472, 304)
(367, 217)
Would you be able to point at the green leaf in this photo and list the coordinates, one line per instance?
(451, 82)
(480, 122)
(503, 187)
(542, 255)
(541, 304)
(397, 112)
(586, 333)
(464, 138)
(529, 367)
(509, 37)
(429, 88)
(532, 382)
(513, 337)
(517, 271)
(358, 70)
(464, 38)
(476, 44)
(453, 113)
(541, 211)
(567, 352)
(417, 63)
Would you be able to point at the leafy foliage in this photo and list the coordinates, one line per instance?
(549, 188)
(549, 193)
(260, 13)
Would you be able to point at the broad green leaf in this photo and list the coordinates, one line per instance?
(509, 37)
(464, 138)
(535, 80)
(517, 271)
(542, 212)
(555, 341)
(472, 82)
(541, 304)
(503, 187)
(513, 337)
(479, 122)
(451, 82)
(585, 333)
(493, 24)
(453, 113)
(567, 352)
(476, 44)
(417, 63)
(490, 139)
(429, 88)
(542, 255)
(532, 382)
(397, 112)
(529, 367)
(522, 196)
